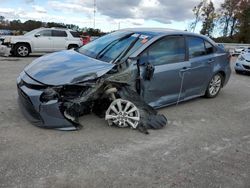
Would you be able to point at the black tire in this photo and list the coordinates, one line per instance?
(214, 86)
(22, 50)
(72, 46)
(238, 72)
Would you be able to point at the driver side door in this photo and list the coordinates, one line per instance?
(169, 59)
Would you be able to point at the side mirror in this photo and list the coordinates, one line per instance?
(37, 35)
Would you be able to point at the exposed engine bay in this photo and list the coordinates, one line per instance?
(114, 97)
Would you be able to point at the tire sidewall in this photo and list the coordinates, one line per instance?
(18, 46)
(72, 46)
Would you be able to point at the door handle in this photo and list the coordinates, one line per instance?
(210, 61)
(184, 69)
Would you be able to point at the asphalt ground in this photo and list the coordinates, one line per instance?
(205, 144)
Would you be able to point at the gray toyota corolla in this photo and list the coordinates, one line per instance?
(123, 76)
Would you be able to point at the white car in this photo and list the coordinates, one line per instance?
(242, 64)
(245, 51)
(238, 50)
(43, 40)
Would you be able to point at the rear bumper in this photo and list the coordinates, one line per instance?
(46, 115)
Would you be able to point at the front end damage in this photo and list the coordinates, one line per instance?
(113, 96)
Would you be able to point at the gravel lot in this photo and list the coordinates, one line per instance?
(206, 144)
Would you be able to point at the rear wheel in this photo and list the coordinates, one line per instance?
(72, 46)
(214, 86)
(22, 50)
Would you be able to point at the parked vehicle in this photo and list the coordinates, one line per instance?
(238, 50)
(122, 75)
(242, 64)
(86, 39)
(43, 40)
(4, 32)
(245, 50)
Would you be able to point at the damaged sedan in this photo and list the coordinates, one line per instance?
(123, 77)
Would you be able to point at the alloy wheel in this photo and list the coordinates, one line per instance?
(23, 51)
(123, 113)
(215, 85)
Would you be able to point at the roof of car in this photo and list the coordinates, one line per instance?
(159, 31)
(164, 31)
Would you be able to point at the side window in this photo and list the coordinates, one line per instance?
(196, 47)
(75, 34)
(209, 47)
(166, 51)
(58, 33)
(45, 33)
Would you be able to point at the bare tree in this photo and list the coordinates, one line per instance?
(197, 10)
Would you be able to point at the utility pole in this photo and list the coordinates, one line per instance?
(94, 12)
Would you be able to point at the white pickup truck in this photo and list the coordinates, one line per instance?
(43, 40)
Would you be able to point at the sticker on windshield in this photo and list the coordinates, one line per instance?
(135, 35)
(143, 36)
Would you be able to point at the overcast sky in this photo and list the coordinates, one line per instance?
(109, 13)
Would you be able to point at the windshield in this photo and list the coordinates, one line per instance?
(111, 47)
(31, 32)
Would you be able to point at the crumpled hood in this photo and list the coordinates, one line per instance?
(66, 67)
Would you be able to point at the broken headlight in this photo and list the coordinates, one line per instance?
(48, 95)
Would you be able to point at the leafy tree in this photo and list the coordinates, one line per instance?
(244, 21)
(15, 25)
(197, 10)
(208, 17)
(228, 16)
(31, 24)
(2, 19)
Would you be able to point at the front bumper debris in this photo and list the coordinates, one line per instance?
(4, 50)
(60, 107)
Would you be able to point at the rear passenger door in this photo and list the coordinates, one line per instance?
(201, 58)
(59, 40)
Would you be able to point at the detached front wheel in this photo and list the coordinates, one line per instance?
(214, 86)
(123, 113)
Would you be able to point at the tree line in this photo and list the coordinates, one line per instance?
(21, 27)
(231, 20)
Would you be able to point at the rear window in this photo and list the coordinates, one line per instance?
(75, 34)
(209, 47)
(58, 33)
(196, 47)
